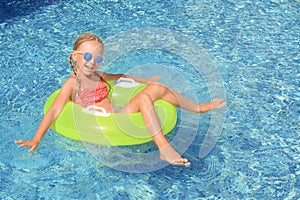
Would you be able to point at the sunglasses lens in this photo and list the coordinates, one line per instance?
(87, 56)
(99, 59)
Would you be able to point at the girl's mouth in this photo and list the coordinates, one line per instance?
(89, 67)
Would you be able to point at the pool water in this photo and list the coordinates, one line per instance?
(253, 49)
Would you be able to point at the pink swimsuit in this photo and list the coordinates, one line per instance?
(91, 96)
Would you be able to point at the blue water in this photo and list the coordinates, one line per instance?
(253, 46)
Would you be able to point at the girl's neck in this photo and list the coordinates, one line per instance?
(87, 81)
(91, 77)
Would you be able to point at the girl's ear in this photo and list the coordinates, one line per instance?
(74, 55)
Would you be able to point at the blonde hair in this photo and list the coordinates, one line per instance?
(84, 37)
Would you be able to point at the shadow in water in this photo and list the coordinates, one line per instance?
(13, 8)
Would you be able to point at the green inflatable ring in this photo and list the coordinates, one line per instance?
(110, 129)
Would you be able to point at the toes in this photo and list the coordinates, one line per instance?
(170, 155)
(181, 161)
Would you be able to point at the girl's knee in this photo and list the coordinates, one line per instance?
(144, 97)
(156, 86)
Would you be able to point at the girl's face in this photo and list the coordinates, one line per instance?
(87, 57)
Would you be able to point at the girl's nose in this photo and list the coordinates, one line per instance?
(92, 60)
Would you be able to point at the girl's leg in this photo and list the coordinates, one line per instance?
(159, 91)
(143, 103)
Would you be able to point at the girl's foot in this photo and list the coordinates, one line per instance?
(169, 154)
(214, 104)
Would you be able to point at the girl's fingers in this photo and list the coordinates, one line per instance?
(31, 144)
(19, 141)
(22, 143)
(32, 148)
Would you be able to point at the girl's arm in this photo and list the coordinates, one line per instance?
(109, 77)
(50, 116)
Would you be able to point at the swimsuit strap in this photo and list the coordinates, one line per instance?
(100, 77)
(104, 82)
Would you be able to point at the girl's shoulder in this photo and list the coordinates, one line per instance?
(71, 78)
(70, 82)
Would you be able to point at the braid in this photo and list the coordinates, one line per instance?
(72, 66)
(74, 71)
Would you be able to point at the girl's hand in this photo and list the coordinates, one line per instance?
(150, 79)
(29, 143)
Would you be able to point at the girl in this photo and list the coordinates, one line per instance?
(86, 86)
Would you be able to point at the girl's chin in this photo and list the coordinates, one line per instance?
(87, 72)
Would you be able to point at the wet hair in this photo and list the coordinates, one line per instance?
(84, 37)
